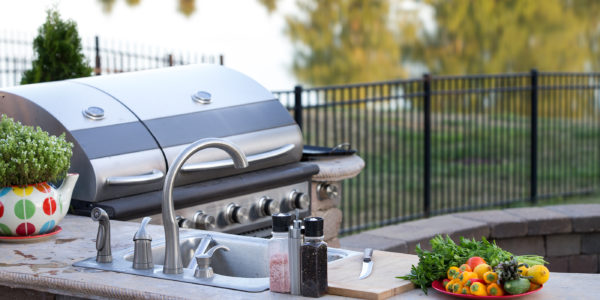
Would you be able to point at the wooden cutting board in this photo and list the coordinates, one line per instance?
(342, 276)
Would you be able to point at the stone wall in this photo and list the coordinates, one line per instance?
(333, 170)
(568, 236)
(328, 210)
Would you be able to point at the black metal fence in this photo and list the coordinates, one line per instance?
(437, 145)
(106, 57)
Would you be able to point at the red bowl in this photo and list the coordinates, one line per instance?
(438, 286)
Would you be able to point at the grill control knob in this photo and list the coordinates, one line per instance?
(204, 221)
(267, 206)
(236, 214)
(298, 200)
(328, 191)
(183, 222)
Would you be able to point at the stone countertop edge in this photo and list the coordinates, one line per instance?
(46, 266)
(74, 288)
(337, 168)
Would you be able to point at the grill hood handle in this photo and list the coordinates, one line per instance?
(155, 175)
(217, 164)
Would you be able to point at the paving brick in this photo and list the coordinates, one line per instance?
(563, 244)
(583, 264)
(359, 242)
(590, 243)
(558, 263)
(523, 245)
(501, 224)
(584, 217)
(471, 232)
(541, 221)
(421, 231)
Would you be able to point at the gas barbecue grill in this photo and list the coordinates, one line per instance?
(128, 128)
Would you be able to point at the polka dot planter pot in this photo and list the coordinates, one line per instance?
(34, 209)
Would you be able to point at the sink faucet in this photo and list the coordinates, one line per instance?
(173, 264)
(203, 268)
(104, 254)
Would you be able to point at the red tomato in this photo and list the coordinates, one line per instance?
(475, 261)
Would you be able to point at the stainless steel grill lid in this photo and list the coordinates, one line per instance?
(127, 128)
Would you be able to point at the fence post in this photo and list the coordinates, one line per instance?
(221, 60)
(298, 105)
(170, 59)
(97, 69)
(427, 145)
(534, 136)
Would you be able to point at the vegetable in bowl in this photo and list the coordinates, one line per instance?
(433, 265)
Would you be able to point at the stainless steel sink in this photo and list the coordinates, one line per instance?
(245, 267)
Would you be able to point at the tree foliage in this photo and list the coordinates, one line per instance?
(349, 41)
(483, 37)
(342, 41)
(187, 7)
(57, 52)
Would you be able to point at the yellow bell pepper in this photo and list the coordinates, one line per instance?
(478, 289)
(453, 273)
(495, 290)
(464, 276)
(490, 277)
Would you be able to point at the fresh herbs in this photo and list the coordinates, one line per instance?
(446, 253)
(29, 156)
(531, 260)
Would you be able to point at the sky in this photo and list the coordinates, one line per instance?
(252, 41)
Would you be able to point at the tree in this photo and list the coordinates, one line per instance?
(58, 52)
(343, 41)
(187, 7)
(107, 5)
(483, 37)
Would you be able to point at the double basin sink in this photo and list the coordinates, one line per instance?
(244, 267)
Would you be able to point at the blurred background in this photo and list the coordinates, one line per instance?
(284, 42)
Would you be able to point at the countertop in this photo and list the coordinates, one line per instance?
(46, 266)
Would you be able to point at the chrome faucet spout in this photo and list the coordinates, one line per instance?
(173, 263)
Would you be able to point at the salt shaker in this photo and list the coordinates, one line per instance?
(279, 270)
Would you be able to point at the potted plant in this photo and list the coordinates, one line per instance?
(30, 158)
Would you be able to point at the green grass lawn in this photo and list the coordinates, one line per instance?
(478, 160)
(592, 198)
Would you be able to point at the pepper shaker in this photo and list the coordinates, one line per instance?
(313, 260)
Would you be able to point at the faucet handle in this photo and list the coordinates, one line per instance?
(142, 255)
(142, 234)
(203, 268)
